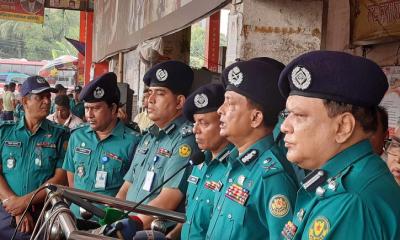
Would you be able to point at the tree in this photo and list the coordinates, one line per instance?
(39, 42)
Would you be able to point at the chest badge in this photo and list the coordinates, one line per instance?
(279, 205)
(10, 163)
(80, 171)
(319, 228)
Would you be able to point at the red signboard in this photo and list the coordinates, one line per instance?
(22, 10)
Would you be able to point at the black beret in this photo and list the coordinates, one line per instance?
(207, 98)
(258, 81)
(336, 76)
(174, 75)
(103, 88)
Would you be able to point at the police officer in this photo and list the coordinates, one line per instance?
(350, 194)
(100, 152)
(168, 144)
(201, 108)
(257, 194)
(32, 152)
(77, 106)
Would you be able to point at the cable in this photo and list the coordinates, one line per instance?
(53, 215)
(26, 210)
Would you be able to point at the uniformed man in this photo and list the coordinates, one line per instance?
(350, 194)
(77, 107)
(32, 152)
(257, 194)
(168, 144)
(100, 152)
(201, 108)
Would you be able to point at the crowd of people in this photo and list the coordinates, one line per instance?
(290, 152)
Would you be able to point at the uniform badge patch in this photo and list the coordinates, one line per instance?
(184, 150)
(12, 144)
(301, 77)
(319, 228)
(161, 75)
(200, 100)
(279, 205)
(235, 76)
(98, 92)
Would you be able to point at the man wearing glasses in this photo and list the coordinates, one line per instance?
(392, 148)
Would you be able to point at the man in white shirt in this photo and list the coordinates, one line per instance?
(9, 103)
(62, 114)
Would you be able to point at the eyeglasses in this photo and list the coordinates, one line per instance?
(392, 146)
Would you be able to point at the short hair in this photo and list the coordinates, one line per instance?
(268, 121)
(383, 117)
(11, 85)
(62, 100)
(366, 116)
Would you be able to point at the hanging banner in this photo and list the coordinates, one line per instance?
(375, 21)
(121, 25)
(22, 10)
(391, 100)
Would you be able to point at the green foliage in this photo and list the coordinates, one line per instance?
(39, 42)
(197, 45)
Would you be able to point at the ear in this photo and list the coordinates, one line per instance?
(180, 102)
(345, 127)
(257, 118)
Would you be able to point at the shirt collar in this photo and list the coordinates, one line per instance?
(44, 124)
(221, 157)
(117, 131)
(347, 157)
(169, 129)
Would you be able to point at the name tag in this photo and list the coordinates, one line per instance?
(12, 144)
(148, 181)
(101, 179)
(83, 150)
(193, 179)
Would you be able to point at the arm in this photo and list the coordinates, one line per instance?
(176, 232)
(70, 177)
(123, 190)
(167, 199)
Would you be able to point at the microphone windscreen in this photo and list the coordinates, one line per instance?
(197, 158)
(128, 227)
(149, 235)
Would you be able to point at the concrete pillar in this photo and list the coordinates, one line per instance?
(281, 29)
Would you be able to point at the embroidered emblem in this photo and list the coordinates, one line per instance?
(301, 78)
(249, 156)
(184, 150)
(98, 92)
(237, 193)
(200, 100)
(161, 75)
(279, 205)
(164, 152)
(235, 76)
(80, 171)
(319, 228)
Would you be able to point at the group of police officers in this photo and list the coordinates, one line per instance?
(247, 187)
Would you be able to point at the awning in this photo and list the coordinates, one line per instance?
(122, 25)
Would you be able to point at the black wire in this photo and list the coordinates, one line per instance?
(26, 210)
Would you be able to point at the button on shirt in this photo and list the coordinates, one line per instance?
(86, 155)
(204, 182)
(29, 160)
(359, 200)
(257, 197)
(162, 151)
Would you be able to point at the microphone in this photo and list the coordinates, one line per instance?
(79, 201)
(196, 159)
(125, 228)
(149, 235)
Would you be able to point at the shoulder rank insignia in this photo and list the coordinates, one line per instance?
(187, 130)
(313, 180)
(185, 150)
(249, 156)
(279, 205)
(237, 193)
(319, 228)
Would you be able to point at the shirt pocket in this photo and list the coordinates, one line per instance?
(45, 159)
(11, 158)
(82, 170)
(114, 175)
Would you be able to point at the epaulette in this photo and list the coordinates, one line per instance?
(132, 131)
(7, 123)
(56, 125)
(133, 126)
(270, 165)
(187, 130)
(79, 126)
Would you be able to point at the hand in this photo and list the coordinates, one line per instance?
(27, 224)
(16, 205)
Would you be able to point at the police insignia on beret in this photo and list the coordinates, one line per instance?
(301, 77)
(40, 80)
(200, 100)
(235, 76)
(319, 228)
(98, 92)
(279, 205)
(161, 75)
